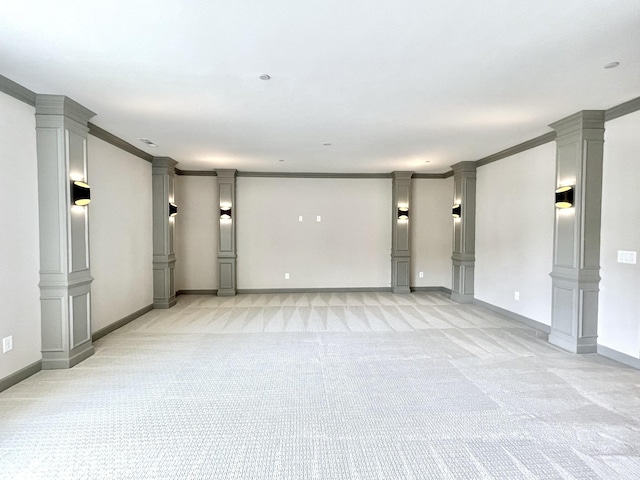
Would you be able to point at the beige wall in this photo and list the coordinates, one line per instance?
(514, 232)
(120, 229)
(431, 232)
(349, 248)
(196, 234)
(19, 242)
(619, 303)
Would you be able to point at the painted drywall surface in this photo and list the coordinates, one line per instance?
(120, 233)
(196, 233)
(349, 248)
(619, 301)
(431, 231)
(19, 243)
(514, 232)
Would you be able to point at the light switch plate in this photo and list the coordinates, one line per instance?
(626, 256)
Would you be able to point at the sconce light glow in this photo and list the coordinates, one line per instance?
(456, 211)
(173, 209)
(564, 197)
(225, 212)
(403, 213)
(80, 193)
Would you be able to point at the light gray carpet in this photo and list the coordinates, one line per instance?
(326, 386)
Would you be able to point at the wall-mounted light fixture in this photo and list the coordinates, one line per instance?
(456, 211)
(564, 197)
(403, 213)
(173, 209)
(225, 212)
(80, 193)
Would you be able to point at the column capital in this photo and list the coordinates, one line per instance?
(61, 105)
(467, 169)
(163, 165)
(579, 122)
(402, 175)
(226, 173)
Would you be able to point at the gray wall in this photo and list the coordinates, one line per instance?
(120, 229)
(514, 232)
(195, 233)
(619, 302)
(350, 247)
(431, 232)
(19, 244)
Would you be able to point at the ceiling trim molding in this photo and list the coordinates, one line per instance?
(621, 110)
(210, 173)
(110, 138)
(196, 173)
(17, 91)
(433, 175)
(521, 147)
(313, 175)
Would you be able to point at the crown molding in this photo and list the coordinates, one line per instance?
(621, 110)
(103, 135)
(521, 147)
(17, 91)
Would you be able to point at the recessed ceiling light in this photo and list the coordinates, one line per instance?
(327, 144)
(148, 142)
(427, 161)
(281, 160)
(264, 76)
(612, 65)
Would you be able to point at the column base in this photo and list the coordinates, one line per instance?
(226, 293)
(165, 303)
(573, 345)
(400, 290)
(58, 360)
(461, 297)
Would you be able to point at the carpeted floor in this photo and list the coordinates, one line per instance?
(324, 386)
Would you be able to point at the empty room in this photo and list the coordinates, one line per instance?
(320, 240)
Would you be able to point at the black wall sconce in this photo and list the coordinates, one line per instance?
(173, 209)
(564, 197)
(456, 211)
(225, 213)
(80, 193)
(403, 213)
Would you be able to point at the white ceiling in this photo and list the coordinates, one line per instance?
(391, 84)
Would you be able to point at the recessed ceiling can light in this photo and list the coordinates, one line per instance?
(264, 76)
(612, 65)
(281, 160)
(327, 144)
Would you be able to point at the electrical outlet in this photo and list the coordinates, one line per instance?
(286, 276)
(318, 218)
(300, 218)
(7, 344)
(516, 296)
(421, 274)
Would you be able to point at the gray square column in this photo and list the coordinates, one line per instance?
(401, 233)
(65, 276)
(464, 232)
(164, 257)
(576, 249)
(227, 232)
